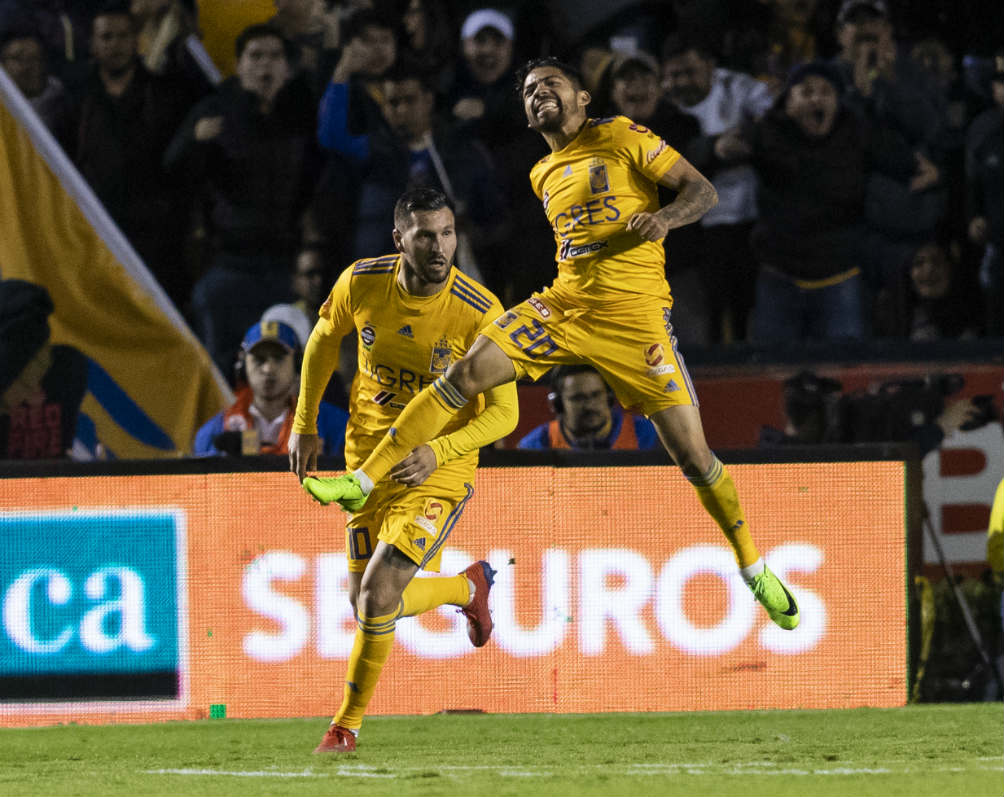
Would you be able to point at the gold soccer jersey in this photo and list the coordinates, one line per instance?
(590, 189)
(405, 343)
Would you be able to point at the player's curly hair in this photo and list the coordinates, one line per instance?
(567, 69)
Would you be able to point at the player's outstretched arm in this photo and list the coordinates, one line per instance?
(320, 359)
(695, 197)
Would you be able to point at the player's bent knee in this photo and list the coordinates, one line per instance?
(467, 377)
(377, 602)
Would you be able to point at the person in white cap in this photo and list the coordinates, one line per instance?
(483, 105)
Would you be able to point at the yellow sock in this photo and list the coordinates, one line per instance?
(372, 646)
(718, 494)
(423, 594)
(418, 423)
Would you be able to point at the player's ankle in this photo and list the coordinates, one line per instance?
(365, 482)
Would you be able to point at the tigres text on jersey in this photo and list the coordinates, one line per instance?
(590, 189)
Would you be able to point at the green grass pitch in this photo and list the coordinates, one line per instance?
(917, 750)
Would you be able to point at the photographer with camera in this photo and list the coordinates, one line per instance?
(908, 410)
(268, 378)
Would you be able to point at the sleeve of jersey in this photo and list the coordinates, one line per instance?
(644, 150)
(494, 422)
(320, 357)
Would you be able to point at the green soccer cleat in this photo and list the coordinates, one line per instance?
(342, 490)
(775, 598)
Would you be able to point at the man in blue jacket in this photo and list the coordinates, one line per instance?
(259, 421)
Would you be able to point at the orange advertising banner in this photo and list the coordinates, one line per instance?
(137, 598)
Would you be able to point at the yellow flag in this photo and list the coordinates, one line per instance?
(150, 383)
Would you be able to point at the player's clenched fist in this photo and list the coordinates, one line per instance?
(649, 226)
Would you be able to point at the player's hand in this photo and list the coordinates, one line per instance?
(416, 467)
(303, 450)
(650, 226)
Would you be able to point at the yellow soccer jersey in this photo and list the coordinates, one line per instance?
(590, 189)
(405, 343)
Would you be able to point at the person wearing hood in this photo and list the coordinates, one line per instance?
(121, 123)
(252, 144)
(813, 157)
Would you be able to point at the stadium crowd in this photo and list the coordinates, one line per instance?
(855, 147)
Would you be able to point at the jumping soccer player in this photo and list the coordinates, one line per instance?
(609, 306)
(415, 314)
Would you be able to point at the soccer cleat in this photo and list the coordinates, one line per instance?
(337, 740)
(775, 598)
(479, 619)
(343, 490)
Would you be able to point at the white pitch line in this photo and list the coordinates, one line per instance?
(508, 771)
(235, 773)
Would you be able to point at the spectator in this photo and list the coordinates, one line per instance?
(932, 301)
(311, 283)
(252, 143)
(41, 384)
(723, 101)
(792, 32)
(890, 90)
(587, 416)
(370, 49)
(61, 26)
(124, 119)
(353, 96)
(430, 37)
(22, 54)
(408, 152)
(984, 188)
(813, 156)
(635, 92)
(306, 26)
(164, 27)
(268, 378)
(483, 105)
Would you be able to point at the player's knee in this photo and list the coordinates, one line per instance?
(377, 600)
(464, 376)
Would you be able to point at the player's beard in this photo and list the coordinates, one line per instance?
(551, 123)
(435, 272)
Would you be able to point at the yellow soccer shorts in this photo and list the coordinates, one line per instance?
(629, 341)
(415, 520)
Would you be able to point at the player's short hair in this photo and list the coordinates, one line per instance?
(416, 200)
(566, 69)
(263, 30)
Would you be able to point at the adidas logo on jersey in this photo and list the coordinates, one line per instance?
(567, 172)
(406, 331)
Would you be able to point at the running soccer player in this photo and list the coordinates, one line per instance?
(609, 306)
(415, 314)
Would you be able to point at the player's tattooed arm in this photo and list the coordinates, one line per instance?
(695, 197)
